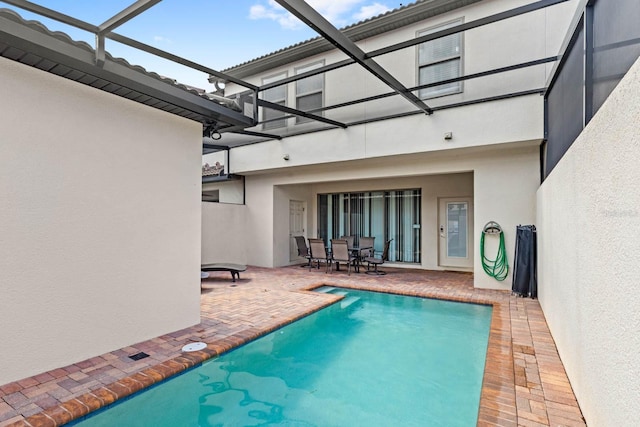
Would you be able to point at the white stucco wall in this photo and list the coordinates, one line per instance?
(231, 191)
(224, 237)
(589, 223)
(505, 192)
(502, 180)
(99, 222)
(480, 125)
(281, 220)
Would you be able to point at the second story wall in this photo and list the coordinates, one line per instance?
(501, 122)
(528, 37)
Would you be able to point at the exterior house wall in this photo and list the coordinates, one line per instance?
(281, 227)
(504, 191)
(260, 201)
(523, 38)
(100, 221)
(502, 182)
(432, 188)
(480, 125)
(588, 228)
(228, 191)
(494, 145)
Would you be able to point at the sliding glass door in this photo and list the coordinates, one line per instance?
(381, 214)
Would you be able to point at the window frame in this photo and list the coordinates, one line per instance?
(281, 123)
(460, 85)
(303, 69)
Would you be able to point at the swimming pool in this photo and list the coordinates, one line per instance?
(371, 359)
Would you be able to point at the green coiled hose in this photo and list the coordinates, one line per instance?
(497, 268)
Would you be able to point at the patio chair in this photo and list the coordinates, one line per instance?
(350, 240)
(378, 261)
(340, 253)
(366, 247)
(318, 253)
(303, 249)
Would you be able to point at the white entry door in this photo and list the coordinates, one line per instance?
(296, 226)
(455, 230)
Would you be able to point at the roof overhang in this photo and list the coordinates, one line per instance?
(32, 44)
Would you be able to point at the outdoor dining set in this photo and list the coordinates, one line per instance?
(345, 251)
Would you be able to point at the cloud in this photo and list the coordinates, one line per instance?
(277, 13)
(339, 13)
(162, 39)
(335, 11)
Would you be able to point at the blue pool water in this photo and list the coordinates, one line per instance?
(372, 359)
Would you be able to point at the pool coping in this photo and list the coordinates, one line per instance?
(512, 394)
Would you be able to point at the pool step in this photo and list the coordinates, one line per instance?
(345, 302)
(348, 301)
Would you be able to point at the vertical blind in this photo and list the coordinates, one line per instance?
(381, 214)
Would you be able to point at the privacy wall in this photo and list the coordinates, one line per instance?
(99, 222)
(223, 233)
(588, 228)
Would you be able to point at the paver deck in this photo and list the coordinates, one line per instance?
(524, 382)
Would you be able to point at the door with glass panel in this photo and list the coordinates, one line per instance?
(296, 226)
(455, 232)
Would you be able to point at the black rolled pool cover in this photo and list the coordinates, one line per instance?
(525, 276)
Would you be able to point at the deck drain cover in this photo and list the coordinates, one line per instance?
(139, 356)
(194, 346)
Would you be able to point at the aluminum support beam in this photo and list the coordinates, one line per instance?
(538, 91)
(468, 26)
(289, 110)
(125, 15)
(258, 134)
(462, 27)
(313, 19)
(177, 59)
(309, 73)
(52, 14)
(214, 146)
(442, 82)
(117, 20)
(77, 23)
(80, 59)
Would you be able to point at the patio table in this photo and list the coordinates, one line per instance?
(357, 251)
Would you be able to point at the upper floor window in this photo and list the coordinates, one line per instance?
(309, 91)
(277, 95)
(440, 59)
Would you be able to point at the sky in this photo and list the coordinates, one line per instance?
(216, 33)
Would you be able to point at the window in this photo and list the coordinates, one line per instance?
(438, 60)
(381, 214)
(457, 220)
(277, 95)
(309, 91)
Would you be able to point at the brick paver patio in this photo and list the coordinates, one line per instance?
(524, 382)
